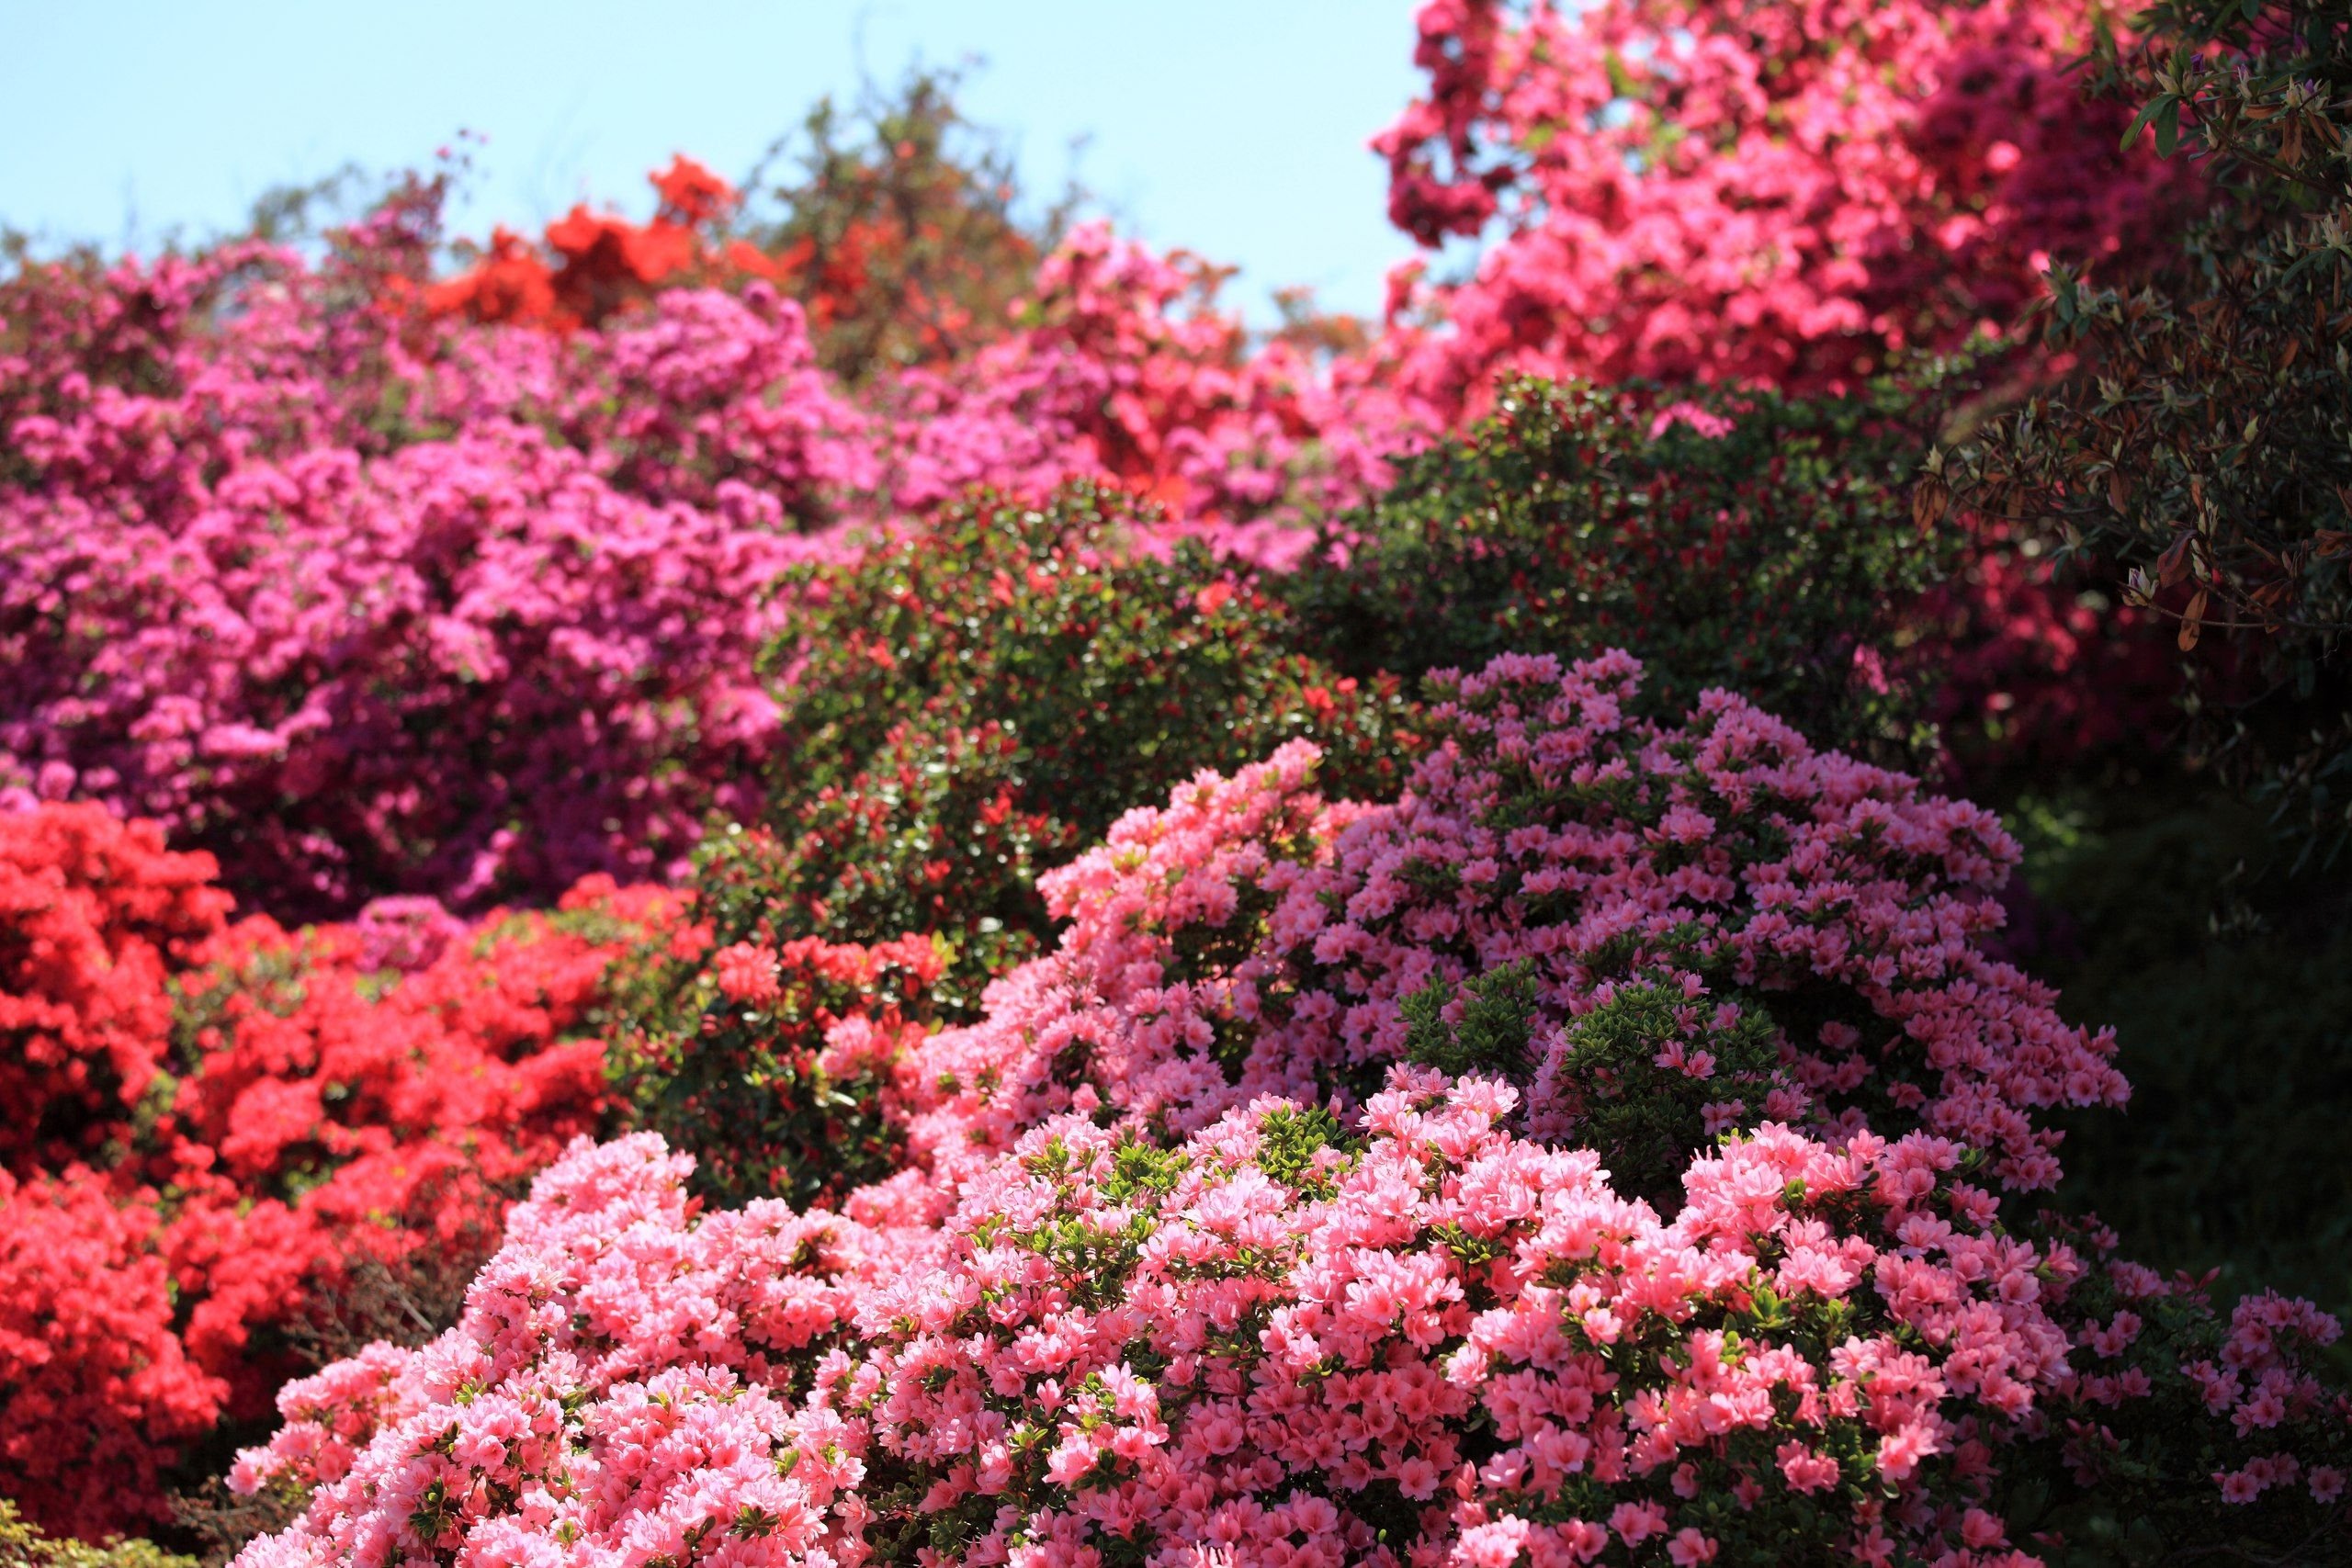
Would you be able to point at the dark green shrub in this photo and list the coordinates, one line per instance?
(978, 698)
(2231, 995)
(1741, 540)
(24, 1545)
(2204, 444)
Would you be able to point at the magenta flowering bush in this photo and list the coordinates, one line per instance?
(1610, 1151)
(1790, 193)
(359, 624)
(371, 601)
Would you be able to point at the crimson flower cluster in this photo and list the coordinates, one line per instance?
(1785, 194)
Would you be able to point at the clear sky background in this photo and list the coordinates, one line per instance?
(1236, 129)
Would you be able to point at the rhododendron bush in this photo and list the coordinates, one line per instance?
(1788, 193)
(220, 1136)
(1612, 1149)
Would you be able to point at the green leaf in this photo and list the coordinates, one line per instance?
(2148, 112)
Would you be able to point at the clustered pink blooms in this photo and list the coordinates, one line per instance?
(361, 623)
(209, 1124)
(1184, 1264)
(1714, 191)
(1252, 939)
(1318, 1338)
(1129, 370)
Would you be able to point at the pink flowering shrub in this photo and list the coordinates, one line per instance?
(1783, 194)
(622, 1370)
(1434, 1341)
(1706, 915)
(1122, 366)
(353, 661)
(1609, 1151)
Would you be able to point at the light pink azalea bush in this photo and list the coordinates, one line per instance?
(1568, 1159)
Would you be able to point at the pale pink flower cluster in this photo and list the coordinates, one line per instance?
(616, 1390)
(1323, 1338)
(1439, 1327)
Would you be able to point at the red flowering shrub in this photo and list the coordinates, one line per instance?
(94, 919)
(212, 1126)
(93, 1379)
(1783, 194)
(786, 1047)
(341, 1120)
(604, 261)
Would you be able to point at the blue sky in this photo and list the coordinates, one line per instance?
(1235, 129)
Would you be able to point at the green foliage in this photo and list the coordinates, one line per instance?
(2230, 994)
(973, 700)
(23, 1545)
(749, 1086)
(2204, 447)
(1289, 1145)
(900, 230)
(1765, 558)
(1488, 1036)
(1655, 1071)
(929, 831)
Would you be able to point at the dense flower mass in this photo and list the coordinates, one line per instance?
(1265, 1340)
(228, 1140)
(1570, 1158)
(371, 602)
(94, 919)
(1345, 944)
(1786, 194)
(97, 1382)
(1711, 902)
